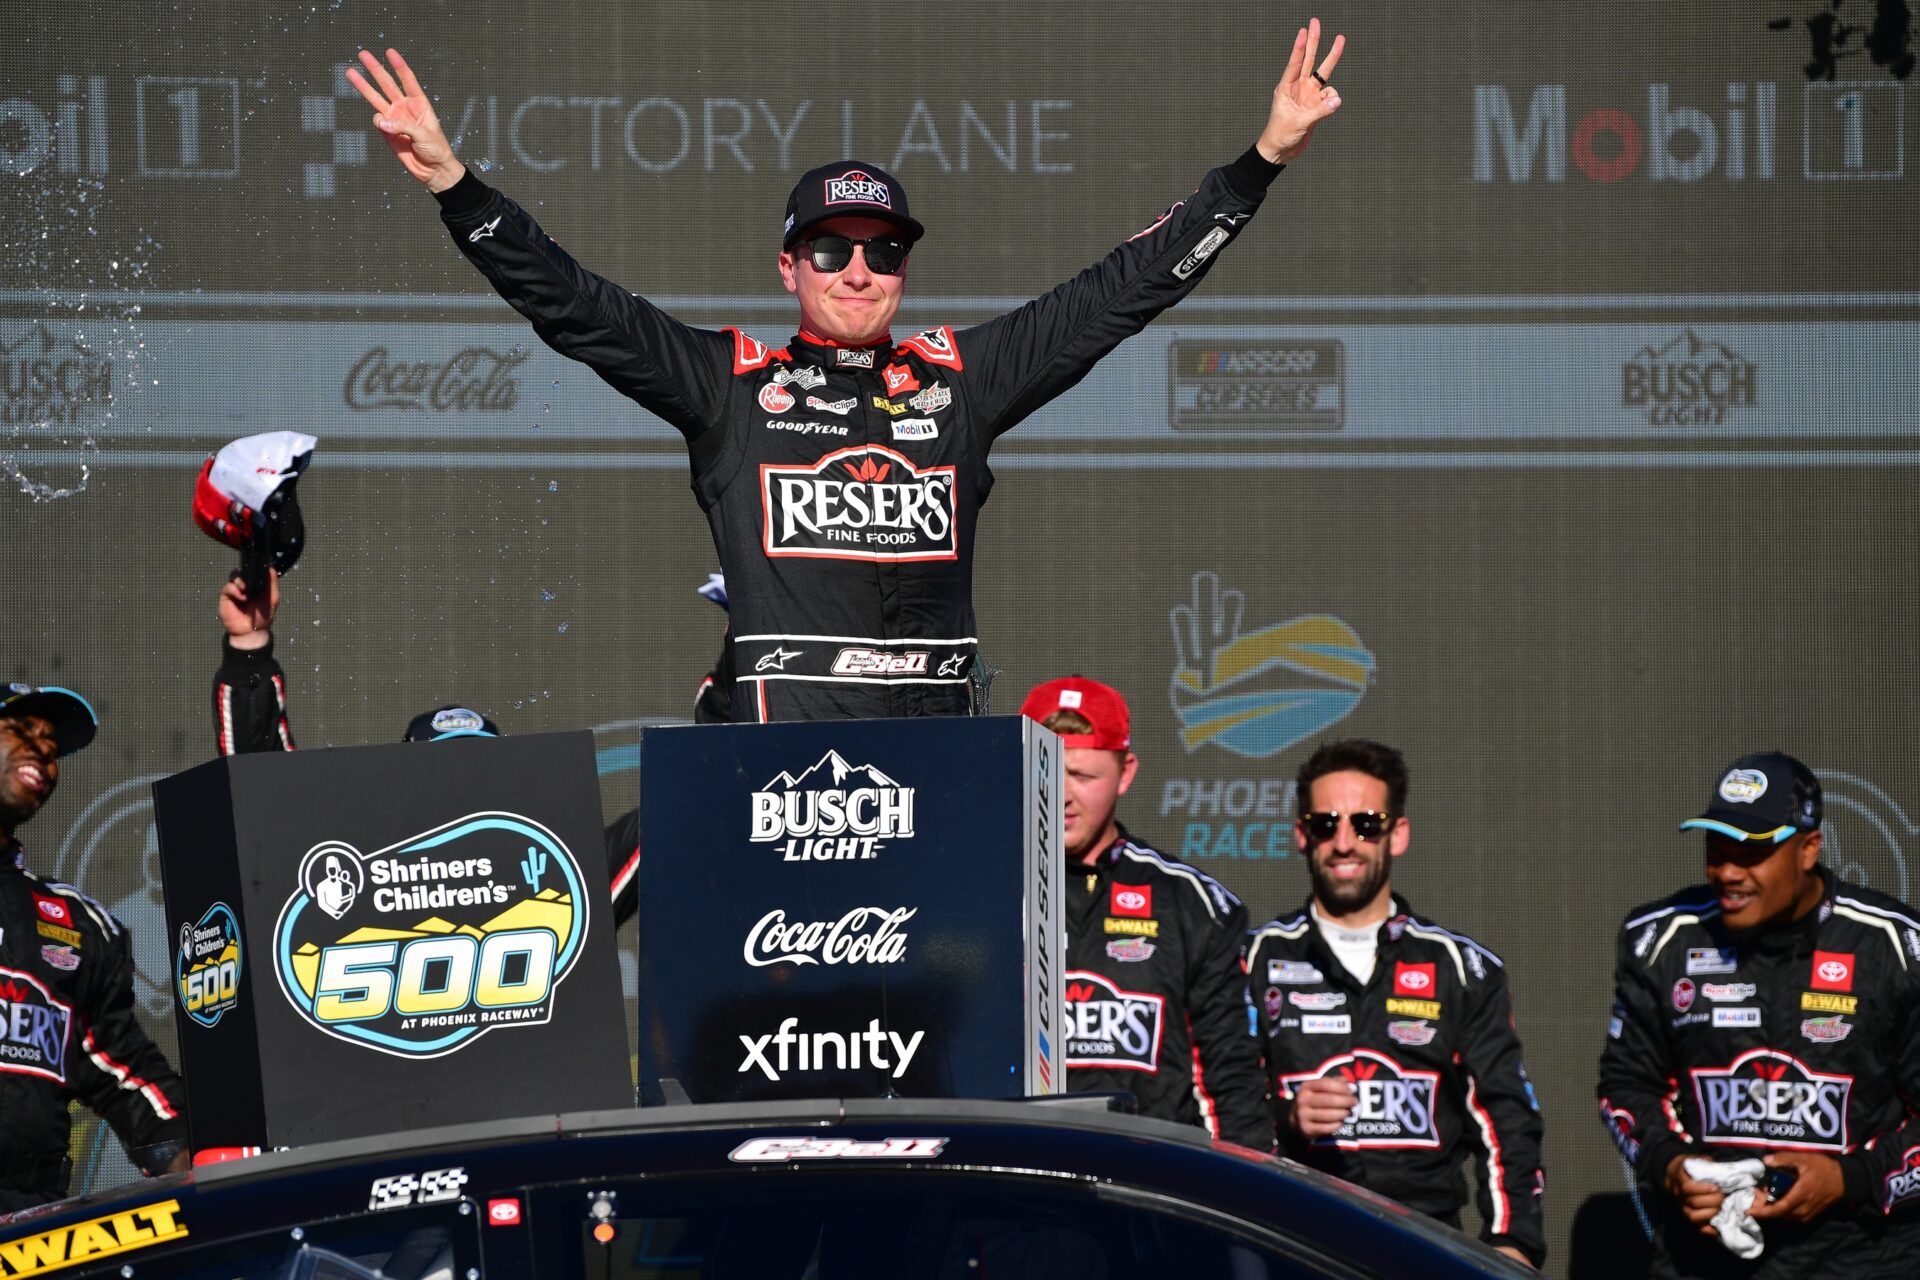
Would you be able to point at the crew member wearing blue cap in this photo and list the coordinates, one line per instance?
(66, 979)
(1762, 1065)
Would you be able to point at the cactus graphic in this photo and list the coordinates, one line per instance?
(532, 867)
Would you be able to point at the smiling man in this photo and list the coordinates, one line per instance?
(1156, 999)
(1391, 1049)
(67, 1029)
(842, 474)
(1775, 1012)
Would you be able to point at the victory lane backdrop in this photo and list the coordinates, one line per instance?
(1552, 421)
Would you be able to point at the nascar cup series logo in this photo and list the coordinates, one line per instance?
(833, 811)
(206, 968)
(863, 503)
(420, 947)
(1393, 1105)
(1766, 1098)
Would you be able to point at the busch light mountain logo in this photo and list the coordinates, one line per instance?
(1687, 383)
(47, 380)
(1257, 693)
(1393, 1105)
(418, 948)
(206, 968)
(1766, 1098)
(833, 811)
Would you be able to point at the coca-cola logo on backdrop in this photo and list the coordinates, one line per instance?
(471, 380)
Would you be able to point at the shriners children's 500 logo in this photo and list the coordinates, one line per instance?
(206, 968)
(420, 947)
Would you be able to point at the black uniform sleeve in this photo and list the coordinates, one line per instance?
(1017, 362)
(120, 1073)
(1506, 1118)
(623, 865)
(673, 370)
(1281, 1107)
(250, 702)
(1227, 1071)
(1868, 1171)
(1636, 1077)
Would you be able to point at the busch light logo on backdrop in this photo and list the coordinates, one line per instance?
(1252, 694)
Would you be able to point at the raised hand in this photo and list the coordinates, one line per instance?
(406, 120)
(249, 619)
(1304, 97)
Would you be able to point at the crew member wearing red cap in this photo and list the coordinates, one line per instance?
(66, 975)
(842, 474)
(1156, 995)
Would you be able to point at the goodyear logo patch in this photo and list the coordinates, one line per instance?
(65, 1247)
(418, 948)
(206, 968)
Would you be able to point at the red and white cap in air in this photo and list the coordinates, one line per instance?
(1100, 704)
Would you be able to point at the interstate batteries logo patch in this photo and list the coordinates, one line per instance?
(206, 967)
(418, 948)
(864, 503)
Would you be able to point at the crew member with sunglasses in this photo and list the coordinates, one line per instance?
(1156, 998)
(1391, 1050)
(842, 474)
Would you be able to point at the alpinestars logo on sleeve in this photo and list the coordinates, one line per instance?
(863, 503)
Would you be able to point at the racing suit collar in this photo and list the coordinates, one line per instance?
(1796, 935)
(1393, 926)
(1103, 861)
(808, 338)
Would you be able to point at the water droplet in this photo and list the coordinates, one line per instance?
(484, 165)
(546, 408)
(553, 486)
(563, 628)
(556, 384)
(546, 594)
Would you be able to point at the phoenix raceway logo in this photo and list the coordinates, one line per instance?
(831, 812)
(1393, 1107)
(418, 948)
(1252, 695)
(1108, 1026)
(1258, 693)
(863, 503)
(206, 968)
(1767, 1098)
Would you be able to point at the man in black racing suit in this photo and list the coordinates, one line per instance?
(1773, 1012)
(1156, 998)
(842, 474)
(66, 979)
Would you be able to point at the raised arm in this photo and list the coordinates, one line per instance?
(1014, 364)
(404, 115)
(249, 689)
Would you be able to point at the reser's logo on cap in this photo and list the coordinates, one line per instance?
(832, 811)
(1743, 786)
(856, 186)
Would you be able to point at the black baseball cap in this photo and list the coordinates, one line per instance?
(847, 188)
(71, 715)
(449, 722)
(1768, 797)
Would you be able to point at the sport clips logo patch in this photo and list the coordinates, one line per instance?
(864, 503)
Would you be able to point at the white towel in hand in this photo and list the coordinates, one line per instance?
(1738, 1179)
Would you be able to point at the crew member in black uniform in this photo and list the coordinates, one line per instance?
(842, 474)
(1391, 1049)
(1156, 998)
(250, 714)
(66, 976)
(1773, 1011)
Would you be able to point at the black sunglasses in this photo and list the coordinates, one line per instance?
(1368, 824)
(885, 254)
